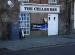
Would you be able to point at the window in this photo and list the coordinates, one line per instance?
(53, 9)
(24, 23)
(52, 1)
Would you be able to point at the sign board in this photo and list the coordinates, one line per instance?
(39, 27)
(40, 8)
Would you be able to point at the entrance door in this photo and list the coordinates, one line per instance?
(52, 24)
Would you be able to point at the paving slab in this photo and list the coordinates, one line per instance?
(34, 42)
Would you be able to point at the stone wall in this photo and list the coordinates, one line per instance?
(62, 17)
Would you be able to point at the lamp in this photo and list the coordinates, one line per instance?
(10, 3)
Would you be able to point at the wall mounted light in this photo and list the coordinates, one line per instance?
(10, 3)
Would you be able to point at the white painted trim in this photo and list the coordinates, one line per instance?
(24, 0)
(35, 4)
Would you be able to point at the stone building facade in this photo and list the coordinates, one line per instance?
(12, 16)
(71, 15)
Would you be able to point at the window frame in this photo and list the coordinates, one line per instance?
(51, 1)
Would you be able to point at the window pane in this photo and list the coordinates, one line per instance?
(27, 14)
(27, 18)
(24, 32)
(24, 18)
(28, 21)
(27, 32)
(24, 29)
(21, 17)
(27, 29)
(25, 22)
(24, 25)
(28, 25)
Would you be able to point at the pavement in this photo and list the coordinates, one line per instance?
(37, 42)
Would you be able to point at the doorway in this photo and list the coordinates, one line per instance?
(52, 24)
